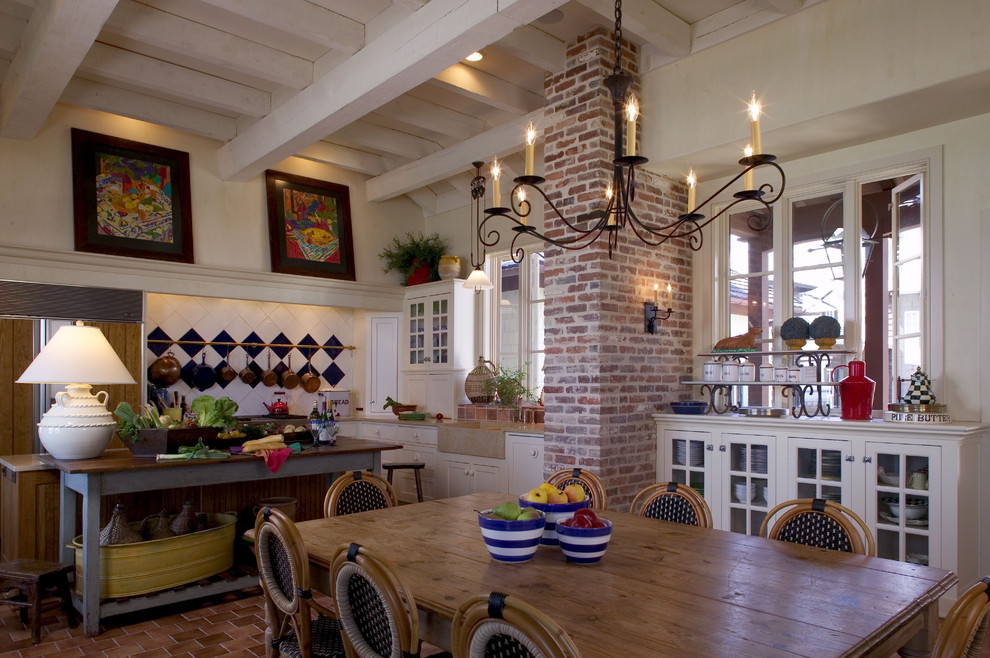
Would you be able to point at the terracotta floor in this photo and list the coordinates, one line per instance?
(229, 625)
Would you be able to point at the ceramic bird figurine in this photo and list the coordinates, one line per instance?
(744, 341)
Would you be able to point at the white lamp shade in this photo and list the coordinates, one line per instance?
(478, 281)
(77, 354)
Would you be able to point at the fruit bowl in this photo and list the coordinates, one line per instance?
(511, 541)
(554, 512)
(584, 545)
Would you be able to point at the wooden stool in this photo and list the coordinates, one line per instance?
(416, 467)
(35, 580)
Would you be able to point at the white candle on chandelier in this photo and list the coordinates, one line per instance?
(669, 289)
(496, 192)
(748, 179)
(691, 181)
(521, 195)
(608, 202)
(754, 124)
(530, 141)
(632, 111)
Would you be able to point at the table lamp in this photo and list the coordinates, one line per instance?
(78, 425)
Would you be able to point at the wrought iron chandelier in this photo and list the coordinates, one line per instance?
(619, 212)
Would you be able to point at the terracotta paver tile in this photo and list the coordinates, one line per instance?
(214, 639)
(242, 643)
(183, 635)
(246, 620)
(154, 653)
(206, 652)
(183, 647)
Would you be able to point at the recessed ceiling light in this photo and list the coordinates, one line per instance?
(476, 56)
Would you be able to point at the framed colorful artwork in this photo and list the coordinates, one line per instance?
(309, 226)
(130, 199)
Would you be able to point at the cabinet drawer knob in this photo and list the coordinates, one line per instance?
(867, 460)
(534, 452)
(850, 458)
(721, 448)
(709, 447)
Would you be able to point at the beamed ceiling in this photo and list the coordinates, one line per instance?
(378, 87)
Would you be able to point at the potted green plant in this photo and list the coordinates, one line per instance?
(509, 384)
(794, 332)
(416, 257)
(824, 330)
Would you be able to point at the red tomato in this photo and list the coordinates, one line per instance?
(586, 513)
(581, 522)
(597, 524)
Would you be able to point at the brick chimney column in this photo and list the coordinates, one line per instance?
(604, 376)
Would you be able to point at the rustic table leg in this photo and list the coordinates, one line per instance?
(921, 645)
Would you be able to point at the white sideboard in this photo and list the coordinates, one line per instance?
(744, 466)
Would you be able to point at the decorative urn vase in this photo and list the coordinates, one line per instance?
(450, 267)
(855, 392)
(479, 386)
(78, 425)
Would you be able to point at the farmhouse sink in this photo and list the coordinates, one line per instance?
(472, 437)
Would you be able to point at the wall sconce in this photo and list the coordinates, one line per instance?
(651, 310)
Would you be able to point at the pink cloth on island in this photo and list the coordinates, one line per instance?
(274, 458)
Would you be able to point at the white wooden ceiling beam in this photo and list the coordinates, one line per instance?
(786, 6)
(54, 42)
(497, 142)
(432, 117)
(486, 88)
(430, 40)
(386, 140)
(650, 22)
(195, 44)
(142, 107)
(10, 35)
(302, 18)
(536, 47)
(425, 199)
(345, 157)
(115, 66)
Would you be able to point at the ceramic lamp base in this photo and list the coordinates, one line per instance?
(76, 442)
(78, 425)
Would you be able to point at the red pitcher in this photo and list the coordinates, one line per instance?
(855, 392)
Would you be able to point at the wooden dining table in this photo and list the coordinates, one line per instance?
(662, 589)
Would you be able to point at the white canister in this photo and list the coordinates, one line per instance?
(780, 374)
(793, 375)
(712, 371)
(766, 372)
(730, 371)
(747, 372)
(809, 374)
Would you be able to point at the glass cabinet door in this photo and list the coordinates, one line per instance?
(440, 332)
(902, 503)
(417, 333)
(747, 479)
(687, 458)
(819, 468)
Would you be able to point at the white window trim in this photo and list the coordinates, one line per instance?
(490, 314)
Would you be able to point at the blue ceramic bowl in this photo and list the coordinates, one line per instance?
(689, 407)
(511, 541)
(555, 512)
(584, 545)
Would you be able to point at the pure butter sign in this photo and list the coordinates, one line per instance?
(904, 417)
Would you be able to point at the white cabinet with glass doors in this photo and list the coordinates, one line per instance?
(916, 486)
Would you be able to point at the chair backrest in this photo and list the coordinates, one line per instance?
(283, 569)
(670, 501)
(359, 491)
(821, 523)
(966, 624)
(502, 626)
(376, 607)
(593, 487)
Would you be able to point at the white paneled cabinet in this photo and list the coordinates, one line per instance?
(524, 456)
(916, 486)
(462, 474)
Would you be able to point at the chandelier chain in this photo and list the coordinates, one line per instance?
(618, 38)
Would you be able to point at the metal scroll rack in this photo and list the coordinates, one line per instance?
(800, 393)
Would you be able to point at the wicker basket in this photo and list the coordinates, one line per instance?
(480, 383)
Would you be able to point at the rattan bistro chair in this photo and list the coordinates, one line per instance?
(593, 487)
(821, 523)
(377, 609)
(502, 626)
(965, 626)
(670, 501)
(360, 491)
(283, 569)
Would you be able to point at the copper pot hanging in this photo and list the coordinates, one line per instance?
(247, 374)
(165, 370)
(289, 377)
(269, 377)
(310, 380)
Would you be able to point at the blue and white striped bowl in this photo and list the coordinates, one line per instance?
(555, 512)
(511, 541)
(584, 545)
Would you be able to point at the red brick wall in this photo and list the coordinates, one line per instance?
(604, 375)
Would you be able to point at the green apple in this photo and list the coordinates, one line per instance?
(508, 510)
(528, 513)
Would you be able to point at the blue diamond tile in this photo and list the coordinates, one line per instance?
(309, 340)
(223, 337)
(158, 348)
(333, 347)
(333, 374)
(281, 339)
(253, 350)
(196, 342)
(187, 373)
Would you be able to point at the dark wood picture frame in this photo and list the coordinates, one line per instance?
(309, 226)
(130, 198)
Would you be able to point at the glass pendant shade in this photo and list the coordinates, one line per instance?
(478, 281)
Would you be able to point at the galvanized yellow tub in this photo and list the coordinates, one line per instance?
(150, 566)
